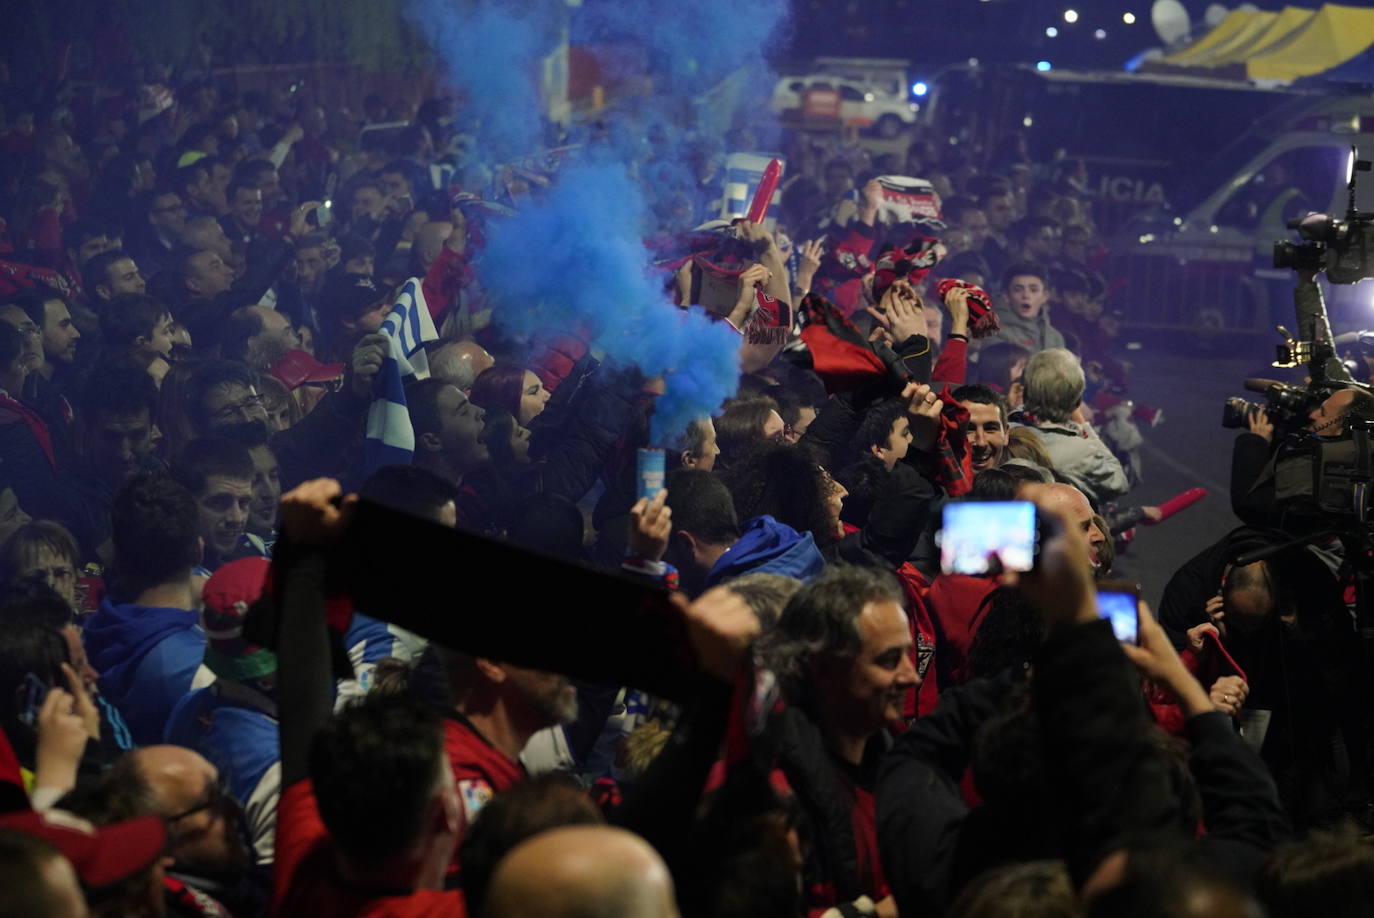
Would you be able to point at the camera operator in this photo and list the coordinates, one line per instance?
(1271, 477)
(1285, 624)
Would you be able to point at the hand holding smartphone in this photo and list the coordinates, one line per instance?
(1118, 601)
(35, 693)
(979, 538)
(650, 474)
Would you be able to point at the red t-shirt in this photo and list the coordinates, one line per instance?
(304, 881)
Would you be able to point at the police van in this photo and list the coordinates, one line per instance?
(1203, 260)
(1191, 179)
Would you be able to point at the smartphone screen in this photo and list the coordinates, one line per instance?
(1120, 605)
(978, 537)
(649, 473)
(35, 693)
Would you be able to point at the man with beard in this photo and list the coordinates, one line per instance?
(205, 838)
(27, 313)
(219, 474)
(493, 709)
(50, 312)
(986, 428)
(111, 273)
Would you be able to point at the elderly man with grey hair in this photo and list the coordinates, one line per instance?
(1054, 384)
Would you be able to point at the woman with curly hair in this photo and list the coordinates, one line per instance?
(787, 483)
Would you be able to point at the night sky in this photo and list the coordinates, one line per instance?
(933, 33)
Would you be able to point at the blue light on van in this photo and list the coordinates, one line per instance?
(919, 89)
(1042, 66)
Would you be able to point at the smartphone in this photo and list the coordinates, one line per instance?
(35, 692)
(1118, 601)
(324, 214)
(649, 473)
(985, 537)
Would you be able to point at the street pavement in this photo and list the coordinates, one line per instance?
(1189, 449)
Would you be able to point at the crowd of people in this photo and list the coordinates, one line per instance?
(246, 668)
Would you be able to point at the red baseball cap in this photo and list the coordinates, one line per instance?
(101, 856)
(298, 368)
(231, 589)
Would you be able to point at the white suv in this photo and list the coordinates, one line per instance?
(861, 104)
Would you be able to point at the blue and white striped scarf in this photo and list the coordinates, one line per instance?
(390, 439)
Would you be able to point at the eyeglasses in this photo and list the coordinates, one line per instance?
(249, 408)
(170, 209)
(215, 796)
(218, 802)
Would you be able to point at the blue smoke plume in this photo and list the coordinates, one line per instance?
(489, 50)
(574, 259)
(690, 45)
(576, 262)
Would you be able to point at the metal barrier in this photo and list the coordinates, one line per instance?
(1206, 296)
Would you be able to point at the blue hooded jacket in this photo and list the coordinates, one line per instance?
(766, 546)
(147, 658)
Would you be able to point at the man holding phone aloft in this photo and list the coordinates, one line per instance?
(1096, 739)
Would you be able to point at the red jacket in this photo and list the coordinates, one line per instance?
(957, 608)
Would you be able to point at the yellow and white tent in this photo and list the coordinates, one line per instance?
(1277, 46)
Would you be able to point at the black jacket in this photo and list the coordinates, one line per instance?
(932, 842)
(1111, 779)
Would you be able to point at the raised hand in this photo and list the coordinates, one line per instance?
(721, 628)
(900, 311)
(310, 514)
(923, 408)
(1157, 660)
(366, 362)
(956, 301)
(651, 523)
(811, 254)
(1228, 694)
(299, 227)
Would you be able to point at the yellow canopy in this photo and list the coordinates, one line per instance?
(1238, 26)
(1234, 24)
(1279, 29)
(1332, 36)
